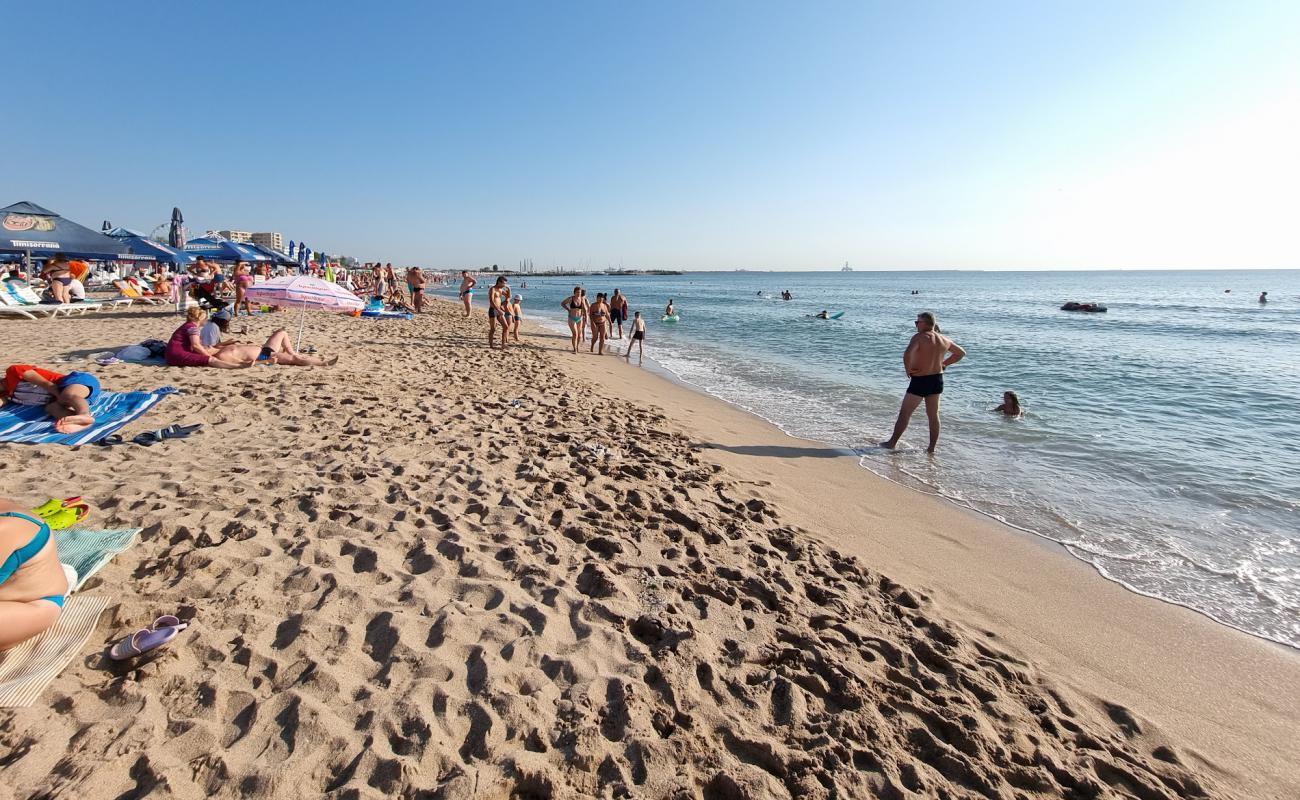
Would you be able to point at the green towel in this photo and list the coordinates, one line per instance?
(88, 551)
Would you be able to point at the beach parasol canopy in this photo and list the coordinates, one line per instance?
(146, 249)
(106, 227)
(29, 228)
(217, 249)
(176, 232)
(275, 256)
(304, 291)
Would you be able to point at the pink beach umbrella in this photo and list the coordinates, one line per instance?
(306, 292)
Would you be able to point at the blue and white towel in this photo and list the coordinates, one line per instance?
(112, 410)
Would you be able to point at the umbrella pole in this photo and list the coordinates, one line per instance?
(302, 320)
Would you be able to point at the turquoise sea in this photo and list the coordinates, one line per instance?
(1161, 442)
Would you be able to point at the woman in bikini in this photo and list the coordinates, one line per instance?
(243, 280)
(599, 322)
(577, 314)
(33, 584)
(58, 274)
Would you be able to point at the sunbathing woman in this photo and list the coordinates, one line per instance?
(186, 347)
(277, 350)
(66, 398)
(33, 584)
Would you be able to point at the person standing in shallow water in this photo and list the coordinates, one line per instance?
(927, 355)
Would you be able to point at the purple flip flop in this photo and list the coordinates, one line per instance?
(165, 628)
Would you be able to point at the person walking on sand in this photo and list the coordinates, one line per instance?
(927, 355)
(415, 282)
(497, 313)
(638, 339)
(617, 311)
(599, 316)
(576, 311)
(467, 284)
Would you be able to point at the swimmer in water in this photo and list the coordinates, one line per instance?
(1010, 405)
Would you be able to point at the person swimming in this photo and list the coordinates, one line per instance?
(1010, 405)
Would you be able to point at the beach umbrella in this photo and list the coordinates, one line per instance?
(106, 227)
(307, 292)
(275, 256)
(218, 249)
(292, 247)
(145, 249)
(35, 231)
(176, 232)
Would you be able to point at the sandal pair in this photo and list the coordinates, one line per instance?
(162, 632)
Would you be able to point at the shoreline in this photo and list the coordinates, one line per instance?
(410, 573)
(1055, 546)
(1158, 632)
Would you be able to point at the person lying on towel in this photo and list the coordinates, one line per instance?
(66, 398)
(33, 584)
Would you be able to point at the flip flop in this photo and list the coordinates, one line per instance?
(149, 438)
(168, 621)
(112, 439)
(142, 641)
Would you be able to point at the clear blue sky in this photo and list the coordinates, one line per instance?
(695, 135)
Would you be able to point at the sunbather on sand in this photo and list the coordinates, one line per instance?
(186, 347)
(277, 350)
(66, 397)
(33, 585)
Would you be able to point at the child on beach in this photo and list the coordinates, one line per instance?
(638, 338)
(516, 311)
(66, 398)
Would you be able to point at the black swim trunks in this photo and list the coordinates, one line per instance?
(926, 385)
(615, 316)
(638, 336)
(492, 313)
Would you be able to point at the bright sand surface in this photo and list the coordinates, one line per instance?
(405, 584)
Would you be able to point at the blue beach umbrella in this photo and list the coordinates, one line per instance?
(145, 249)
(29, 228)
(176, 231)
(217, 249)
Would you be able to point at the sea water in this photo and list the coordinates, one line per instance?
(1160, 443)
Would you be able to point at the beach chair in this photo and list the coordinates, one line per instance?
(130, 292)
(11, 307)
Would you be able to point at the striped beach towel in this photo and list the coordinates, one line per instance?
(88, 551)
(112, 410)
(27, 669)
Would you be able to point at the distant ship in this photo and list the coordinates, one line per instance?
(846, 267)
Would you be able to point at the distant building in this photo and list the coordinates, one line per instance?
(237, 236)
(273, 240)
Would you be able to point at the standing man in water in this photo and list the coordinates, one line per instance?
(925, 359)
(467, 285)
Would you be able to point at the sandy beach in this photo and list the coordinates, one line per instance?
(438, 570)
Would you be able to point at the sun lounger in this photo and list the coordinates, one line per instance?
(132, 293)
(11, 306)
